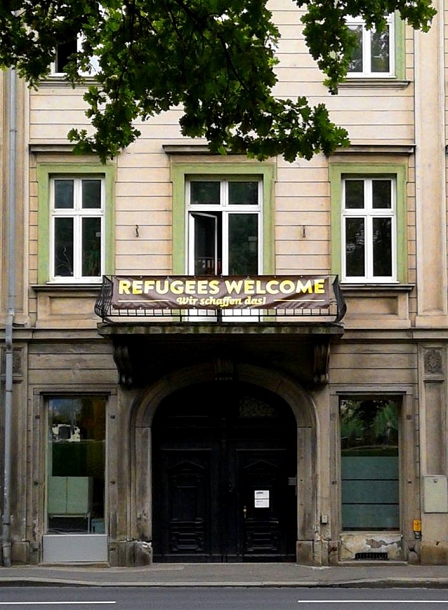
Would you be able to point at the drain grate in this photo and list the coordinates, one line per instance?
(374, 556)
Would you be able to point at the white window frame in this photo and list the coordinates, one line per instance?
(192, 232)
(368, 214)
(77, 213)
(225, 209)
(367, 49)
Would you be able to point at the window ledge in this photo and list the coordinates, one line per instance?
(196, 148)
(199, 148)
(375, 149)
(67, 149)
(353, 288)
(374, 83)
(59, 80)
(51, 148)
(66, 287)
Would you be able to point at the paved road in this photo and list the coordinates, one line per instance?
(220, 598)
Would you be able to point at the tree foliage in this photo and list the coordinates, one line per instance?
(214, 59)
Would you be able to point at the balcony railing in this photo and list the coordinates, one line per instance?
(269, 298)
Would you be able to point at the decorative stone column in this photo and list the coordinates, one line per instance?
(430, 174)
(433, 434)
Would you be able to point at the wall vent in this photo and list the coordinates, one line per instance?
(372, 556)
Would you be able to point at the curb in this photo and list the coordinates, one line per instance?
(439, 583)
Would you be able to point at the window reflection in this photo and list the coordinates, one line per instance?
(372, 55)
(369, 461)
(76, 464)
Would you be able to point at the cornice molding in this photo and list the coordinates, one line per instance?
(376, 149)
(374, 83)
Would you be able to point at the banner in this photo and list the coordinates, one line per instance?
(214, 292)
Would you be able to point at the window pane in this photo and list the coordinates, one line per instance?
(369, 426)
(382, 247)
(243, 244)
(205, 193)
(63, 247)
(244, 193)
(370, 474)
(76, 458)
(91, 247)
(354, 194)
(91, 194)
(63, 194)
(356, 64)
(63, 53)
(380, 51)
(207, 227)
(382, 194)
(354, 247)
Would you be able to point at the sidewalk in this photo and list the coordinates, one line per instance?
(230, 575)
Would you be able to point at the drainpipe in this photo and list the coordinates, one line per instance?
(6, 518)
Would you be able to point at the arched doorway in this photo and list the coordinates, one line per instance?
(224, 466)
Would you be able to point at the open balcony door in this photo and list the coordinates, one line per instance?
(209, 255)
(203, 254)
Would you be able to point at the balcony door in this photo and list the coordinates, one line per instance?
(224, 230)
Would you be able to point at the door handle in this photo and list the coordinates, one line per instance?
(244, 512)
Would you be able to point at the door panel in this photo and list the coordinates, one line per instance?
(187, 481)
(221, 476)
(261, 485)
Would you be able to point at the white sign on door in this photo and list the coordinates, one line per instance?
(261, 498)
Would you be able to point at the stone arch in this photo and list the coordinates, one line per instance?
(302, 406)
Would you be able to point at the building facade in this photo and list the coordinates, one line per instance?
(245, 431)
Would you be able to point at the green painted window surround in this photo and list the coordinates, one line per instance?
(45, 171)
(397, 170)
(181, 171)
(400, 48)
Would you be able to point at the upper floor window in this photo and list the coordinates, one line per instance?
(222, 216)
(65, 50)
(374, 55)
(77, 228)
(368, 221)
(75, 206)
(224, 225)
(369, 228)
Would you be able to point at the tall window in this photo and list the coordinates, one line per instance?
(77, 228)
(369, 228)
(374, 54)
(224, 227)
(76, 464)
(369, 464)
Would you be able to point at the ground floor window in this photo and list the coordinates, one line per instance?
(76, 464)
(369, 463)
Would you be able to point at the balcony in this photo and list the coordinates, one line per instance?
(220, 299)
(159, 323)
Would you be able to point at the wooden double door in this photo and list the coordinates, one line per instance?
(224, 476)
